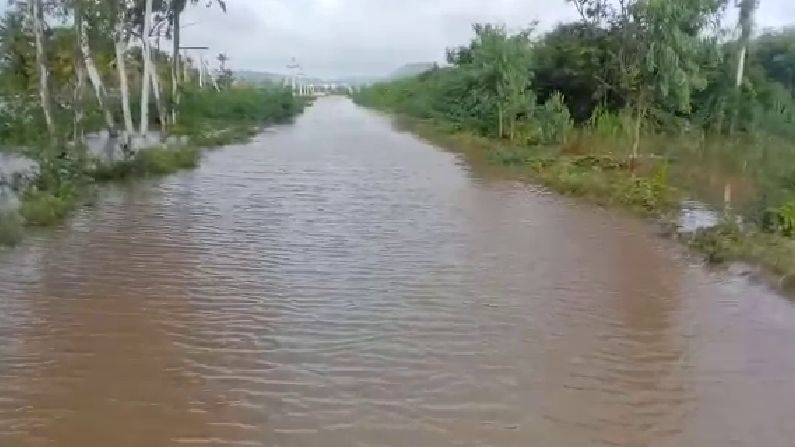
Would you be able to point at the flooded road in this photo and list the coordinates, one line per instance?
(339, 283)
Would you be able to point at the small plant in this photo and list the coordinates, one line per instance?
(650, 194)
(719, 244)
(555, 120)
(780, 220)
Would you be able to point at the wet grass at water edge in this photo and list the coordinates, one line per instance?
(650, 189)
(148, 162)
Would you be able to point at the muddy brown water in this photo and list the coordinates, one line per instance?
(339, 283)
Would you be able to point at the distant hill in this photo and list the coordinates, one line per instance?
(414, 69)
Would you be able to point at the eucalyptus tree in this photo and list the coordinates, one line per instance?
(121, 36)
(90, 18)
(35, 10)
(746, 19)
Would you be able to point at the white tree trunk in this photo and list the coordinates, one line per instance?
(80, 81)
(746, 23)
(175, 66)
(741, 65)
(93, 76)
(124, 89)
(500, 121)
(201, 71)
(211, 76)
(145, 79)
(37, 15)
(161, 110)
(77, 100)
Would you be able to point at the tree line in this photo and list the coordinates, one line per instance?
(659, 64)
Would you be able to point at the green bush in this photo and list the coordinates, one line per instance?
(780, 219)
(235, 107)
(43, 208)
(650, 194)
(719, 244)
(10, 228)
(149, 162)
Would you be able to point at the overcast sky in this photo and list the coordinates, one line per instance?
(372, 37)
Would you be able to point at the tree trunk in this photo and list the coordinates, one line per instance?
(175, 67)
(201, 72)
(741, 65)
(145, 56)
(747, 8)
(80, 79)
(636, 137)
(500, 130)
(37, 15)
(78, 102)
(93, 76)
(161, 110)
(746, 28)
(185, 79)
(124, 90)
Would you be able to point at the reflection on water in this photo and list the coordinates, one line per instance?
(338, 283)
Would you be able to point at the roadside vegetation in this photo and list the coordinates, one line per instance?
(69, 68)
(638, 104)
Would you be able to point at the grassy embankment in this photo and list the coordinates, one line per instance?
(208, 119)
(748, 179)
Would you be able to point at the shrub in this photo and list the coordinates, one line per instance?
(555, 120)
(243, 106)
(780, 220)
(650, 194)
(10, 228)
(720, 243)
(154, 161)
(42, 208)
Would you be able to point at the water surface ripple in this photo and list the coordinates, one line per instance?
(337, 282)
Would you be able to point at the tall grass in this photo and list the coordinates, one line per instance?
(202, 110)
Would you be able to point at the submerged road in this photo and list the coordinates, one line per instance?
(337, 282)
